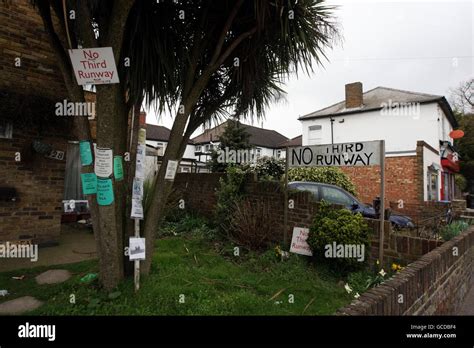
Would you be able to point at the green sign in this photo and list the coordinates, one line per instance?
(89, 183)
(118, 167)
(105, 192)
(86, 153)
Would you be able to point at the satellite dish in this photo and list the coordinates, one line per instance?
(456, 134)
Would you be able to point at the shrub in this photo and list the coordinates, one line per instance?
(229, 193)
(342, 227)
(325, 175)
(461, 182)
(454, 229)
(251, 224)
(269, 168)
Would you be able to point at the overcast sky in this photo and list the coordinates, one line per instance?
(422, 46)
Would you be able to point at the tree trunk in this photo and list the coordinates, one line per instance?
(110, 111)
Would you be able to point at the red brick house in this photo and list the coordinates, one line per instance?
(33, 140)
(420, 159)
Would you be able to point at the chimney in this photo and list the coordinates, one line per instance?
(354, 97)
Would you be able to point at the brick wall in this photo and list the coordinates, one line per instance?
(39, 183)
(22, 35)
(401, 180)
(398, 248)
(436, 284)
(198, 191)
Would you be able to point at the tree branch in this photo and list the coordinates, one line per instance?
(226, 28)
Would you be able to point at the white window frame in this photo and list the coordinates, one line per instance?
(312, 140)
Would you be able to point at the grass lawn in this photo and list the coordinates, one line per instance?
(212, 280)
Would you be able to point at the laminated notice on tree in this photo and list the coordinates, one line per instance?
(103, 162)
(85, 152)
(171, 169)
(89, 183)
(105, 192)
(94, 66)
(118, 167)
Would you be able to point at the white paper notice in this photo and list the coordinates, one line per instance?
(140, 165)
(137, 248)
(137, 191)
(298, 242)
(94, 66)
(103, 166)
(137, 209)
(171, 170)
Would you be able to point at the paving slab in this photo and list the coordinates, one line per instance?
(53, 276)
(19, 305)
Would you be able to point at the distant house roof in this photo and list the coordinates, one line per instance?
(296, 141)
(375, 98)
(158, 133)
(258, 136)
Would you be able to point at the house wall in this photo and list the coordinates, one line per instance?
(188, 153)
(401, 180)
(39, 183)
(22, 36)
(399, 132)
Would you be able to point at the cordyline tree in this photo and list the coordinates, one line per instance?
(200, 59)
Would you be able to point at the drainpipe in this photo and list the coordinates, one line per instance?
(332, 130)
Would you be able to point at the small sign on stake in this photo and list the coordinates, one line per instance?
(137, 248)
(298, 242)
(137, 209)
(140, 165)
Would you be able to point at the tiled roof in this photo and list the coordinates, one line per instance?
(375, 99)
(258, 136)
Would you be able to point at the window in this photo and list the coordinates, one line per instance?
(315, 134)
(308, 187)
(432, 185)
(258, 152)
(6, 130)
(278, 155)
(336, 196)
(198, 148)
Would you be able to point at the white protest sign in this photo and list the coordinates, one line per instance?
(104, 162)
(298, 242)
(137, 190)
(347, 154)
(140, 165)
(171, 169)
(137, 209)
(94, 66)
(137, 248)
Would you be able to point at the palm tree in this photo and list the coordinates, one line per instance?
(202, 59)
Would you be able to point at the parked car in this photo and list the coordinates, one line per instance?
(336, 195)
